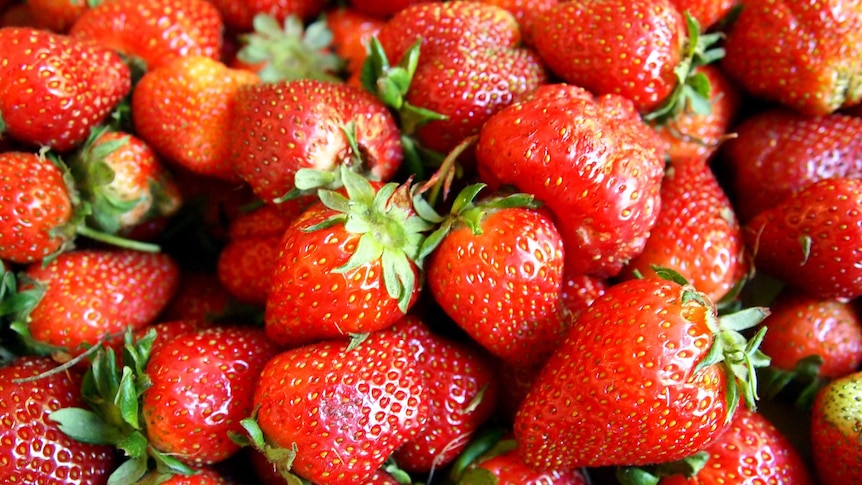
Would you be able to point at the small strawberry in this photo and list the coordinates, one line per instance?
(811, 240)
(199, 296)
(503, 465)
(835, 431)
(651, 365)
(352, 31)
(33, 450)
(183, 110)
(54, 89)
(58, 15)
(333, 413)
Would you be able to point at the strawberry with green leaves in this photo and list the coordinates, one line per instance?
(653, 367)
(835, 419)
(54, 89)
(590, 160)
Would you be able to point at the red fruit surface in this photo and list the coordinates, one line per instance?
(835, 419)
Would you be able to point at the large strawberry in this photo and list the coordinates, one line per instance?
(333, 413)
(592, 162)
(33, 450)
(652, 367)
(835, 431)
(811, 240)
(804, 55)
(54, 89)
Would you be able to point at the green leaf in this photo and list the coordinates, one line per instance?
(254, 432)
(334, 201)
(85, 426)
(311, 179)
(670, 275)
(134, 445)
(126, 399)
(167, 462)
(632, 475)
(130, 472)
(478, 476)
(743, 319)
(367, 251)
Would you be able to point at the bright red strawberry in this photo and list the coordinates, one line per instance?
(811, 240)
(498, 273)
(696, 234)
(280, 128)
(92, 293)
(804, 55)
(183, 110)
(751, 451)
(524, 11)
(36, 209)
(347, 265)
(202, 386)
(503, 465)
(168, 331)
(577, 154)
(835, 421)
(202, 476)
(351, 35)
(777, 153)
(461, 396)
(154, 32)
(338, 412)
(33, 450)
(199, 296)
(54, 89)
(648, 363)
(580, 290)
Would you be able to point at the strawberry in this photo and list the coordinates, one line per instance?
(579, 155)
(154, 32)
(803, 55)
(239, 14)
(89, 294)
(202, 476)
(777, 153)
(54, 89)
(651, 365)
(57, 15)
(199, 296)
(333, 413)
(502, 464)
(580, 290)
(751, 449)
(383, 8)
(811, 239)
(462, 398)
(498, 273)
(347, 265)
(352, 31)
(283, 127)
(696, 234)
(183, 110)
(524, 11)
(708, 13)
(32, 447)
(835, 419)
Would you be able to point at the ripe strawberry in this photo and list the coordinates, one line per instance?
(383, 8)
(347, 265)
(199, 296)
(811, 239)
(835, 421)
(202, 476)
(461, 399)
(580, 290)
(332, 413)
(280, 128)
(54, 89)
(57, 15)
(498, 273)
(696, 234)
(524, 11)
(804, 55)
(752, 451)
(502, 464)
(154, 32)
(777, 153)
(183, 110)
(32, 447)
(239, 14)
(707, 12)
(597, 160)
(651, 365)
(92, 293)
(351, 35)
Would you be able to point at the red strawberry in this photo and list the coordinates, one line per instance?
(498, 273)
(54, 89)
(777, 153)
(648, 364)
(696, 234)
(707, 12)
(33, 450)
(835, 421)
(503, 465)
(580, 290)
(283, 127)
(183, 110)
(57, 15)
(383, 8)
(200, 477)
(804, 55)
(811, 239)
(154, 32)
(333, 414)
(579, 155)
(351, 34)
(199, 296)
(239, 14)
(525, 12)
(752, 451)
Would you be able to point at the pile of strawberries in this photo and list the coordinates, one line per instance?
(465, 242)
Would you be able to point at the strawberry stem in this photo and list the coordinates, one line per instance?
(117, 241)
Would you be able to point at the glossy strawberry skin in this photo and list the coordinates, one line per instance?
(503, 286)
(93, 292)
(825, 215)
(333, 403)
(55, 89)
(35, 202)
(202, 387)
(32, 447)
(508, 467)
(597, 160)
(627, 368)
(834, 431)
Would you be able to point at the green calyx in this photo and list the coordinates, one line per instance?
(281, 458)
(290, 51)
(652, 475)
(803, 380)
(692, 90)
